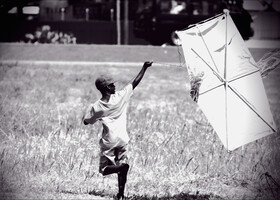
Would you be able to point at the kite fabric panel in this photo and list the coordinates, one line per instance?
(231, 93)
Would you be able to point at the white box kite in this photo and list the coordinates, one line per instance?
(231, 93)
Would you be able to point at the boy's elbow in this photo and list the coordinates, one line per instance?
(85, 122)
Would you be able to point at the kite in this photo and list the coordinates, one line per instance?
(226, 81)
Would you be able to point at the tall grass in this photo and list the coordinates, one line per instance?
(173, 150)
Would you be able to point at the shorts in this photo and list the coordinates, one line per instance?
(115, 156)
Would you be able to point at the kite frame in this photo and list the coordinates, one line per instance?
(224, 80)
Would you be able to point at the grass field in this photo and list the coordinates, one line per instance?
(46, 153)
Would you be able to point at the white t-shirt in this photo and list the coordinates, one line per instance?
(112, 114)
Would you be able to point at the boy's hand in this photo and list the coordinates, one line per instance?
(148, 64)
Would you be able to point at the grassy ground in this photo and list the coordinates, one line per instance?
(45, 152)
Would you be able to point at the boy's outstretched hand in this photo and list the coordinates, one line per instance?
(148, 64)
(140, 75)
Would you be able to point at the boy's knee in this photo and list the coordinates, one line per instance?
(125, 168)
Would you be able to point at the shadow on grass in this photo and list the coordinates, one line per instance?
(182, 196)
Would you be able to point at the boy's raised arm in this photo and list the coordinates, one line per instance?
(140, 75)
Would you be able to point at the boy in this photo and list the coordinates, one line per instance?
(111, 111)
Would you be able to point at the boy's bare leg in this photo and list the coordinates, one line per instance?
(122, 177)
(112, 169)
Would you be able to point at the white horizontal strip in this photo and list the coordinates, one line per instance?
(88, 63)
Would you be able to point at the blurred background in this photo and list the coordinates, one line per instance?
(128, 22)
(46, 152)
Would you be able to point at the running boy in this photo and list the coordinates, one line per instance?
(111, 111)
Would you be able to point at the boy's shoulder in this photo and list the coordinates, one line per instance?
(126, 88)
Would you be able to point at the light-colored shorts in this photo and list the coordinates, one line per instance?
(115, 156)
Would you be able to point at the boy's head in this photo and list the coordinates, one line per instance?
(105, 84)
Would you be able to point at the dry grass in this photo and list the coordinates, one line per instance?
(174, 152)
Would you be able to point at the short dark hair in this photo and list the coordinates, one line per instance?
(102, 82)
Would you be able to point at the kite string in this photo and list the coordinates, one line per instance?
(181, 64)
(180, 58)
(167, 64)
